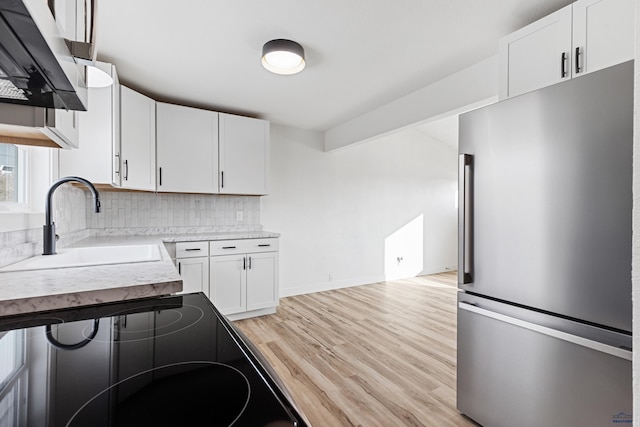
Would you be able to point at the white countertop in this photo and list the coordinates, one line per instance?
(50, 289)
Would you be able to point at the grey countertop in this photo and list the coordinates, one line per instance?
(42, 290)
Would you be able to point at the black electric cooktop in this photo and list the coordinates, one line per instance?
(167, 361)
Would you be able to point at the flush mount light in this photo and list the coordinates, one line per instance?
(282, 56)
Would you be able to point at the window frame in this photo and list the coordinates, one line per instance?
(22, 204)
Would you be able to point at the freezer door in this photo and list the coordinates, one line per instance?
(516, 372)
(547, 220)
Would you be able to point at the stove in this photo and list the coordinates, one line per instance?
(162, 361)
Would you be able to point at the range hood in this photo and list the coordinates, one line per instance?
(40, 81)
(36, 66)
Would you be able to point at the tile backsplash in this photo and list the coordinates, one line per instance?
(139, 209)
(132, 213)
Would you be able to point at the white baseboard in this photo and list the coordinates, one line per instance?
(328, 286)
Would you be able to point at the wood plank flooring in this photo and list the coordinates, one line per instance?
(375, 355)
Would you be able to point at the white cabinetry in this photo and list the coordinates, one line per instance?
(137, 140)
(64, 128)
(70, 17)
(243, 280)
(244, 155)
(603, 33)
(97, 158)
(583, 37)
(187, 149)
(192, 260)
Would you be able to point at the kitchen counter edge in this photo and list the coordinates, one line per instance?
(43, 290)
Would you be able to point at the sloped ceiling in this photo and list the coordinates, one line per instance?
(360, 53)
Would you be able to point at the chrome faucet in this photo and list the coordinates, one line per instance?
(49, 235)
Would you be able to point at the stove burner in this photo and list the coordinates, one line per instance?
(176, 394)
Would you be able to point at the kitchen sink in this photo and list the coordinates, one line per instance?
(88, 256)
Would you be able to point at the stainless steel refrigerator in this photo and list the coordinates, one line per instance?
(544, 270)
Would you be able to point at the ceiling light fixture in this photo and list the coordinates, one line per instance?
(98, 78)
(282, 56)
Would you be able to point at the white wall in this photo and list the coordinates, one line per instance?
(338, 210)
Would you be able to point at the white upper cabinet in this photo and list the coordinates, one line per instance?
(187, 149)
(137, 140)
(603, 34)
(99, 136)
(583, 37)
(536, 55)
(65, 129)
(244, 155)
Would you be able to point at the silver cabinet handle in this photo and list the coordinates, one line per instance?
(563, 65)
(575, 339)
(228, 247)
(244, 263)
(465, 219)
(264, 246)
(191, 249)
(126, 170)
(578, 55)
(249, 263)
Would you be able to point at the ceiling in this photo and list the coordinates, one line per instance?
(361, 54)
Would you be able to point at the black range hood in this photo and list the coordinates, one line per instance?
(36, 67)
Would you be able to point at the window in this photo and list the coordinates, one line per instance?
(13, 173)
(13, 374)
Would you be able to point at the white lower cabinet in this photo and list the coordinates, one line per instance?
(243, 278)
(195, 274)
(228, 279)
(192, 260)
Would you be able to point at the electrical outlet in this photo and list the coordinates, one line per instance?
(330, 278)
(239, 215)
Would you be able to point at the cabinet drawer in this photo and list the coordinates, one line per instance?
(241, 246)
(192, 249)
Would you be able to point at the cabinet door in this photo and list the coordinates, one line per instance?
(228, 283)
(96, 136)
(70, 16)
(537, 55)
(195, 274)
(137, 140)
(262, 280)
(603, 34)
(244, 155)
(116, 176)
(187, 144)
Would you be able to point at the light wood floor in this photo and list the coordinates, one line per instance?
(374, 355)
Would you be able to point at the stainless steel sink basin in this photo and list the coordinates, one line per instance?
(87, 256)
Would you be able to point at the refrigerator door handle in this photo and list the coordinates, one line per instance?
(584, 342)
(465, 218)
